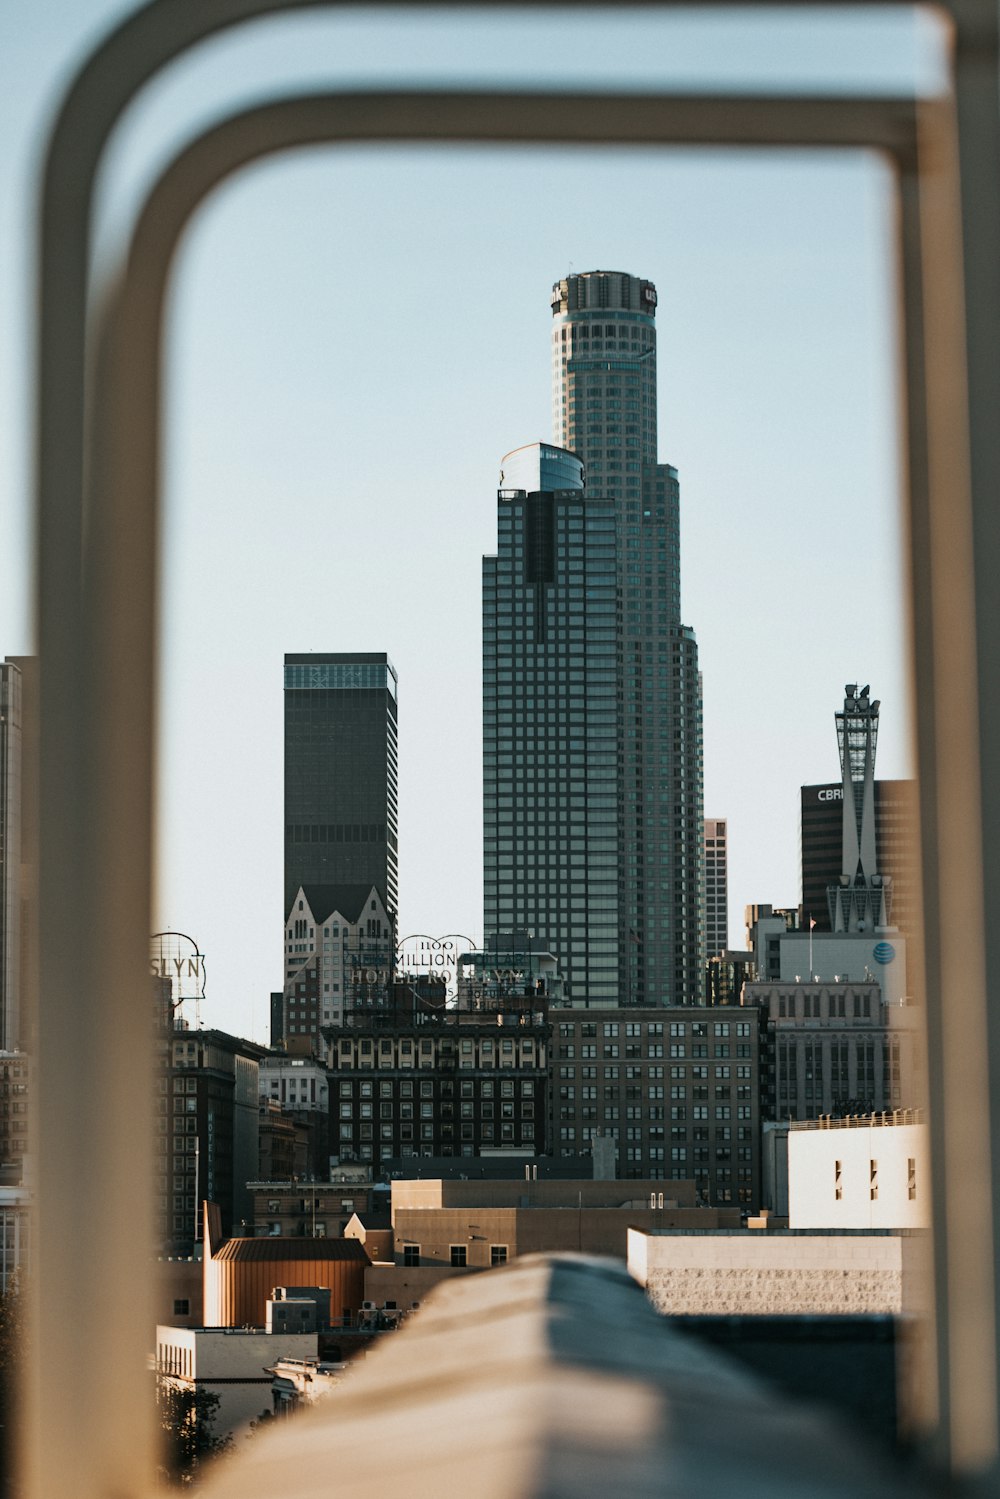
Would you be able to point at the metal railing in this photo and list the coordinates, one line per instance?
(885, 1119)
(99, 357)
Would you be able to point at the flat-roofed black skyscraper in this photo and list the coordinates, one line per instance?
(340, 773)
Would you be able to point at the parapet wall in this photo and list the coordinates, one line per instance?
(765, 1274)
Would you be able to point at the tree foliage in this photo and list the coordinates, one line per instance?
(11, 1368)
(187, 1418)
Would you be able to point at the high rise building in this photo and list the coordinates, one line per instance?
(859, 836)
(834, 1047)
(455, 1083)
(18, 841)
(592, 702)
(208, 1136)
(10, 852)
(896, 848)
(340, 773)
(643, 1078)
(340, 946)
(716, 886)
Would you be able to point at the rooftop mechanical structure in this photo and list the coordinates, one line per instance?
(861, 900)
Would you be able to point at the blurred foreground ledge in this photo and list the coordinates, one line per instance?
(555, 1377)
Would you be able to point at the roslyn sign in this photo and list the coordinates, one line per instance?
(175, 956)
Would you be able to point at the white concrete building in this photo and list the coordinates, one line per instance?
(729, 1272)
(294, 1082)
(15, 1210)
(231, 1362)
(846, 1173)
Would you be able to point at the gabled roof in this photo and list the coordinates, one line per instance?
(347, 901)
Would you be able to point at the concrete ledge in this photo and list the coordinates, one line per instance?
(552, 1378)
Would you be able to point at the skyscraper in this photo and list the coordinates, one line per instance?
(11, 763)
(340, 773)
(821, 838)
(18, 835)
(592, 705)
(716, 886)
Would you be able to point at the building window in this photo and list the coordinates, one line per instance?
(459, 1256)
(411, 1255)
(498, 1254)
(182, 1306)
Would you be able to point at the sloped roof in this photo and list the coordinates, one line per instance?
(347, 900)
(291, 1249)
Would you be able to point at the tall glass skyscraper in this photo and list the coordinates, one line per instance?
(340, 773)
(11, 765)
(592, 702)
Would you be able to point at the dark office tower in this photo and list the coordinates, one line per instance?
(604, 403)
(716, 886)
(550, 721)
(821, 846)
(18, 837)
(10, 849)
(340, 773)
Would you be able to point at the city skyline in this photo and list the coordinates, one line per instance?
(341, 500)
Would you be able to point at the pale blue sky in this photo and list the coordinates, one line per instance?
(358, 337)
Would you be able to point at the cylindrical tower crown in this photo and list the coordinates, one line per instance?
(604, 376)
(593, 291)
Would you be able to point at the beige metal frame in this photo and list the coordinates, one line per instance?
(98, 436)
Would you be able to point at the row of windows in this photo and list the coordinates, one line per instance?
(387, 1110)
(458, 1254)
(484, 1087)
(406, 1132)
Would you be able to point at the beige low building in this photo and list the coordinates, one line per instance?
(405, 1287)
(482, 1224)
(231, 1362)
(721, 1273)
(179, 1292)
(547, 1192)
(377, 1241)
